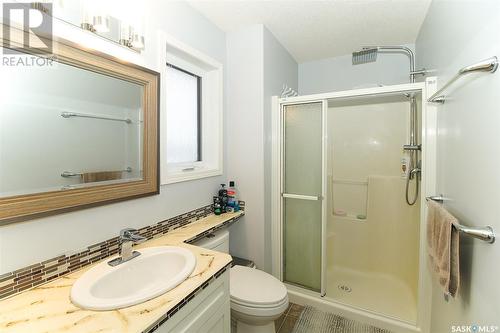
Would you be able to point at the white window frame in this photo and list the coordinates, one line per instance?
(189, 59)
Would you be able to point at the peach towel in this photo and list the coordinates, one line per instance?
(443, 247)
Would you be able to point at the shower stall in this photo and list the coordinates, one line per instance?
(344, 236)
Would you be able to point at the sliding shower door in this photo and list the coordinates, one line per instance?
(302, 194)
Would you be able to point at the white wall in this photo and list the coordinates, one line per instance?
(257, 67)
(279, 68)
(455, 34)
(245, 143)
(338, 73)
(25, 243)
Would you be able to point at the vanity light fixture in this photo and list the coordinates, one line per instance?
(87, 22)
(137, 42)
(125, 42)
(101, 23)
(87, 26)
(131, 39)
(125, 34)
(41, 7)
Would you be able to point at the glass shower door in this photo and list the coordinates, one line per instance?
(302, 189)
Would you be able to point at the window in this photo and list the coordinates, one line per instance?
(183, 116)
(191, 129)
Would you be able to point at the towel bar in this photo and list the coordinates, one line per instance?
(68, 174)
(66, 114)
(485, 233)
(489, 65)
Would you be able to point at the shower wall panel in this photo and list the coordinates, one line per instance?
(373, 235)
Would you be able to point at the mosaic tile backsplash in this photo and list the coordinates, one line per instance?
(34, 275)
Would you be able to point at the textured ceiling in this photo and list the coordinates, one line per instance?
(312, 30)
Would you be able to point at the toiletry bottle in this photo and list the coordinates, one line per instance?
(217, 206)
(231, 194)
(223, 197)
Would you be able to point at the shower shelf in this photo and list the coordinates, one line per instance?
(349, 196)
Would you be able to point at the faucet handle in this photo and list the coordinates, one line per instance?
(130, 234)
(127, 231)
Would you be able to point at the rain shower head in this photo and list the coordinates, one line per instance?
(364, 56)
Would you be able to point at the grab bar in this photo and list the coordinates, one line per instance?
(93, 116)
(489, 65)
(68, 174)
(485, 233)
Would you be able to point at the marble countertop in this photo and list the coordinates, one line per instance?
(48, 308)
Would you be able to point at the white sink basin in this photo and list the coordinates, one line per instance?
(154, 272)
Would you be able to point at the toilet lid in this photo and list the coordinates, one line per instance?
(255, 287)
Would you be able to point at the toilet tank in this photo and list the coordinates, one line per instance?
(217, 241)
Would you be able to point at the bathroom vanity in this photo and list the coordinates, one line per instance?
(199, 304)
(207, 312)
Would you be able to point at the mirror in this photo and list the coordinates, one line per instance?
(84, 126)
(79, 128)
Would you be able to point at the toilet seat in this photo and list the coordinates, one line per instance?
(257, 293)
(259, 306)
(260, 311)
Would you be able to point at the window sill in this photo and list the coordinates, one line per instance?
(184, 176)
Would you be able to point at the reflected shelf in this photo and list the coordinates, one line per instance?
(93, 116)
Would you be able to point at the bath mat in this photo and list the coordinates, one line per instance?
(314, 320)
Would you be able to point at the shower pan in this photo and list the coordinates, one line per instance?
(344, 237)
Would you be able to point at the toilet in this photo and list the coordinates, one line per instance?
(257, 298)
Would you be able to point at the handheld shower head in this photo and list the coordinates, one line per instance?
(364, 56)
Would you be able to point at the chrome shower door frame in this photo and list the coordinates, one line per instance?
(321, 197)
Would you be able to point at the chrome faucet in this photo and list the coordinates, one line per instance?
(128, 237)
(416, 171)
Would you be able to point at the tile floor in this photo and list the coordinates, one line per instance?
(286, 322)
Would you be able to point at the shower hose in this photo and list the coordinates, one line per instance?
(414, 172)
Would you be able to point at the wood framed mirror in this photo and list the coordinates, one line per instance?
(78, 132)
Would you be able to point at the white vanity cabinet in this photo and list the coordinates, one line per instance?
(207, 312)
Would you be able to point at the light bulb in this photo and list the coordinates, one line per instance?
(101, 23)
(137, 41)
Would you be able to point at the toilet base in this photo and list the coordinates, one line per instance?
(242, 327)
(247, 323)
